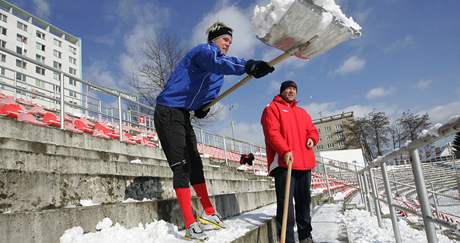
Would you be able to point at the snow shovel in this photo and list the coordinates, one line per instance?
(300, 28)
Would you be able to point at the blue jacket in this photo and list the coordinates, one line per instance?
(198, 77)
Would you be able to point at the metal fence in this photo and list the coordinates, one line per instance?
(415, 183)
(65, 93)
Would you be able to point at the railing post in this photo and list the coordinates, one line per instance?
(394, 183)
(62, 107)
(253, 162)
(366, 189)
(423, 197)
(327, 181)
(360, 186)
(120, 121)
(375, 196)
(100, 111)
(435, 199)
(394, 219)
(225, 151)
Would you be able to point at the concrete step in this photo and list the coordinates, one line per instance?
(47, 226)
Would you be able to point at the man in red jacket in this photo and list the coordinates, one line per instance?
(290, 136)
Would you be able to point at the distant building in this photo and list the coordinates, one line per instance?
(332, 132)
(25, 38)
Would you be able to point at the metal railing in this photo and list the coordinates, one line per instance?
(368, 175)
(81, 98)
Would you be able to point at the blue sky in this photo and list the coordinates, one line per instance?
(407, 58)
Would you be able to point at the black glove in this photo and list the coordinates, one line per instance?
(247, 159)
(201, 113)
(258, 68)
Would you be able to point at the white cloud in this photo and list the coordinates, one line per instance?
(99, 73)
(317, 110)
(442, 113)
(379, 92)
(407, 41)
(42, 8)
(351, 64)
(423, 84)
(244, 40)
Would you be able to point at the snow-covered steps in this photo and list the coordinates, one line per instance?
(48, 225)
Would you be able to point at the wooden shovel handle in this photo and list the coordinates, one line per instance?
(276, 60)
(287, 189)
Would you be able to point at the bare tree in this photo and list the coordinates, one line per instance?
(378, 125)
(412, 124)
(357, 133)
(161, 57)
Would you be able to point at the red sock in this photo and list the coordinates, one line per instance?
(184, 198)
(202, 193)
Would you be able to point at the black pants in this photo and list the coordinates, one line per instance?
(300, 189)
(178, 140)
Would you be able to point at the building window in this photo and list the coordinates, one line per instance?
(20, 77)
(57, 65)
(39, 83)
(3, 18)
(73, 50)
(40, 35)
(40, 70)
(22, 26)
(72, 71)
(2, 71)
(40, 46)
(2, 57)
(21, 51)
(73, 82)
(21, 38)
(57, 42)
(20, 63)
(3, 43)
(57, 89)
(73, 60)
(3, 30)
(72, 93)
(57, 76)
(40, 58)
(57, 53)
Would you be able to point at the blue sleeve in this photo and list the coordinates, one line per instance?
(208, 59)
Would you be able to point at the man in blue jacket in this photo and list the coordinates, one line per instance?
(195, 82)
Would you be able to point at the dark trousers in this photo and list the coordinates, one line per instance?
(178, 140)
(300, 190)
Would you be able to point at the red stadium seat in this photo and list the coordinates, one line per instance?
(82, 125)
(29, 118)
(51, 119)
(11, 110)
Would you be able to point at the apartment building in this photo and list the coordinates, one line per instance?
(25, 39)
(332, 132)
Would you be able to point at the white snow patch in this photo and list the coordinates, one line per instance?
(136, 161)
(432, 131)
(104, 224)
(87, 202)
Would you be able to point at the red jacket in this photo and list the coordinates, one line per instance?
(287, 127)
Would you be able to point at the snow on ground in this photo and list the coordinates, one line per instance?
(327, 221)
(449, 205)
(362, 228)
(161, 231)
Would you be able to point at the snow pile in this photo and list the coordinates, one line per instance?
(161, 231)
(361, 227)
(267, 16)
(136, 161)
(334, 9)
(158, 231)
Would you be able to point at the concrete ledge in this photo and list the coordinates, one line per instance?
(48, 225)
(265, 233)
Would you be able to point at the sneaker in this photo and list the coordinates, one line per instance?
(215, 220)
(194, 232)
(309, 239)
